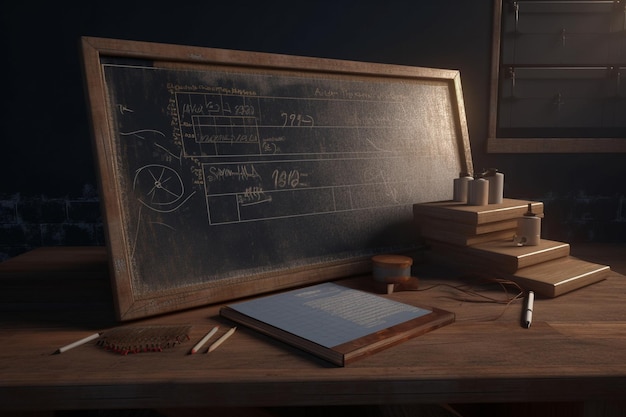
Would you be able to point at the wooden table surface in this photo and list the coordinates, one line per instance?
(575, 349)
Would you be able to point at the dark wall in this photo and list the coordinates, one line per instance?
(46, 157)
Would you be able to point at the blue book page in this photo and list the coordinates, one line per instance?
(329, 314)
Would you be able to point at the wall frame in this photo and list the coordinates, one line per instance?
(225, 174)
(555, 77)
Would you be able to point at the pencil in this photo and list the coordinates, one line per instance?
(78, 343)
(201, 343)
(221, 340)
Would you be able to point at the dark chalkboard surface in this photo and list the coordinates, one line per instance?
(226, 173)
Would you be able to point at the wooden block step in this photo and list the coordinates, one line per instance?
(505, 256)
(465, 228)
(475, 215)
(560, 276)
(548, 279)
(434, 235)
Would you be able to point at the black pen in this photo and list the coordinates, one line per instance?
(528, 313)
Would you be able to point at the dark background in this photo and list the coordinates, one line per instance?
(48, 186)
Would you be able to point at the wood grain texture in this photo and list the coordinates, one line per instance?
(475, 215)
(431, 233)
(559, 276)
(506, 256)
(575, 351)
(466, 228)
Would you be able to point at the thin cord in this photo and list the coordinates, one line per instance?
(471, 290)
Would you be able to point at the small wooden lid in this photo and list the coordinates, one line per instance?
(392, 261)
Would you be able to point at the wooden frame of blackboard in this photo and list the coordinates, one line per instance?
(185, 255)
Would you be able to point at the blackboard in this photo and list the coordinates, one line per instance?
(225, 174)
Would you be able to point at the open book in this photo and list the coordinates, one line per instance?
(334, 322)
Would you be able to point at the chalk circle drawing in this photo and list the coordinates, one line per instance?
(160, 188)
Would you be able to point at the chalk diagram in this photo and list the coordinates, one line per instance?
(159, 188)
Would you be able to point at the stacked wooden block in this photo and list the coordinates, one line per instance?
(481, 238)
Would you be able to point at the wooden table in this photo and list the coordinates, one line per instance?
(575, 349)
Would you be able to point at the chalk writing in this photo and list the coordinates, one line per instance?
(253, 195)
(297, 120)
(207, 161)
(284, 179)
(240, 172)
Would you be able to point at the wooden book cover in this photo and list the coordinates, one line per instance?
(461, 212)
(336, 323)
(460, 239)
(505, 256)
(560, 276)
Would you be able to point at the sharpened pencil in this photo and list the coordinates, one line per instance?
(201, 343)
(221, 340)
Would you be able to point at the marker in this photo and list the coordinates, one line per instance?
(528, 313)
(221, 340)
(201, 343)
(78, 343)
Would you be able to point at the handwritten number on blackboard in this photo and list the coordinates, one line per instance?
(283, 179)
(244, 110)
(297, 120)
